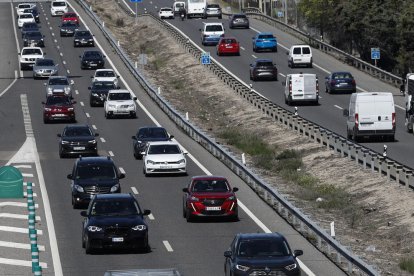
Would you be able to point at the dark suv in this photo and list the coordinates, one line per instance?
(91, 176)
(261, 254)
(148, 134)
(114, 221)
(77, 140)
(83, 38)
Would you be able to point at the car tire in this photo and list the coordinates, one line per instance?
(220, 17)
(83, 241)
(46, 121)
(74, 204)
(61, 154)
(238, 53)
(184, 212)
(275, 49)
(310, 65)
(88, 247)
(218, 53)
(188, 216)
(355, 136)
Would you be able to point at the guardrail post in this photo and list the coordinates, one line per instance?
(319, 241)
(323, 135)
(373, 157)
(304, 127)
(357, 150)
(380, 161)
(407, 173)
(328, 139)
(398, 168)
(389, 164)
(315, 131)
(343, 142)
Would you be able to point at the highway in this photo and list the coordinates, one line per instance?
(329, 113)
(193, 248)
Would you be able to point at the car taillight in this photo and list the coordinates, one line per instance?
(333, 82)
(317, 87)
(356, 120)
(393, 119)
(290, 87)
(205, 36)
(353, 82)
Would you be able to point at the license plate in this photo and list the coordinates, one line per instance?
(117, 239)
(93, 64)
(165, 167)
(58, 115)
(215, 208)
(79, 148)
(229, 47)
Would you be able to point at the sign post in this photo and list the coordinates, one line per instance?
(375, 55)
(136, 9)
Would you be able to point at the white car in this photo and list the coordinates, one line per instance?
(164, 157)
(120, 103)
(28, 57)
(58, 8)
(25, 18)
(24, 6)
(166, 13)
(211, 33)
(105, 75)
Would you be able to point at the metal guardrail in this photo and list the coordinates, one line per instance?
(323, 241)
(327, 48)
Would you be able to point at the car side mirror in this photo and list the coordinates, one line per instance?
(80, 56)
(134, 137)
(185, 190)
(44, 53)
(59, 135)
(69, 176)
(44, 83)
(43, 103)
(171, 137)
(91, 77)
(135, 98)
(84, 214)
(96, 134)
(104, 56)
(297, 253)
(185, 152)
(118, 77)
(199, 30)
(227, 254)
(251, 65)
(121, 175)
(146, 212)
(235, 189)
(346, 112)
(89, 88)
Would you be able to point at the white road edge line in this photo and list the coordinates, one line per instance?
(337, 106)
(400, 107)
(102, 140)
(134, 190)
(167, 246)
(151, 216)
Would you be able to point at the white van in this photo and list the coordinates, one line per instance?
(177, 5)
(371, 114)
(58, 7)
(301, 88)
(300, 55)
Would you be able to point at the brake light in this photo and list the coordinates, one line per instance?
(393, 119)
(353, 82)
(317, 87)
(290, 87)
(356, 120)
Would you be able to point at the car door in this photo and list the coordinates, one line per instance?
(229, 260)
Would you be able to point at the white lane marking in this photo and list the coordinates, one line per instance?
(18, 50)
(134, 190)
(64, 62)
(131, 10)
(67, 71)
(50, 27)
(282, 75)
(94, 127)
(55, 41)
(27, 174)
(18, 230)
(82, 104)
(87, 115)
(11, 84)
(17, 216)
(58, 47)
(122, 170)
(102, 140)
(167, 246)
(76, 92)
(337, 106)
(111, 153)
(20, 262)
(151, 217)
(16, 204)
(400, 107)
(242, 48)
(61, 54)
(23, 166)
(20, 245)
(254, 56)
(25, 184)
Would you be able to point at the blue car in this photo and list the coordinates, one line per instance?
(264, 41)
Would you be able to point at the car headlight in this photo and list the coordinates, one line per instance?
(64, 142)
(291, 267)
(115, 188)
(94, 228)
(95, 95)
(231, 198)
(181, 161)
(242, 268)
(76, 39)
(150, 162)
(132, 105)
(49, 90)
(111, 106)
(92, 141)
(79, 188)
(71, 109)
(193, 198)
(140, 227)
(48, 109)
(67, 89)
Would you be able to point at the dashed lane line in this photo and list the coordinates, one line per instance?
(17, 230)
(94, 127)
(16, 216)
(337, 106)
(151, 216)
(167, 246)
(134, 190)
(20, 262)
(122, 170)
(16, 204)
(111, 153)
(20, 245)
(102, 140)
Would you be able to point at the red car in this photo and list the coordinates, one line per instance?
(70, 16)
(58, 108)
(209, 196)
(228, 45)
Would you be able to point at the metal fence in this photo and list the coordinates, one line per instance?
(322, 240)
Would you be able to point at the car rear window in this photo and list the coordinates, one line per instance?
(269, 36)
(228, 40)
(105, 74)
(103, 84)
(58, 101)
(59, 4)
(342, 76)
(92, 54)
(214, 28)
(306, 50)
(166, 9)
(297, 51)
(26, 15)
(265, 63)
(213, 6)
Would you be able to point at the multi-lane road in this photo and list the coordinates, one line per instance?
(193, 248)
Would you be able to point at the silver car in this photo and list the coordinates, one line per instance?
(56, 85)
(44, 68)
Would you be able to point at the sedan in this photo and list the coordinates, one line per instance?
(83, 38)
(114, 221)
(34, 39)
(99, 91)
(166, 13)
(58, 108)
(34, 12)
(25, 18)
(209, 196)
(68, 28)
(58, 85)
(164, 157)
(261, 254)
(145, 135)
(92, 60)
(263, 69)
(70, 17)
(340, 81)
(29, 27)
(264, 41)
(44, 67)
(239, 21)
(228, 45)
(77, 140)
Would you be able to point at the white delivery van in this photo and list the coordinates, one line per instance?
(300, 55)
(371, 114)
(177, 5)
(301, 88)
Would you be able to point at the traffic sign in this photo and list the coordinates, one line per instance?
(205, 58)
(375, 53)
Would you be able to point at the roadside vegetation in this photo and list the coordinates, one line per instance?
(407, 265)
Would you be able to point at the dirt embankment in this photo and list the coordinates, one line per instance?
(378, 222)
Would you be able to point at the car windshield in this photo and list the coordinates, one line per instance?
(58, 81)
(152, 133)
(164, 149)
(228, 40)
(264, 64)
(96, 171)
(338, 76)
(26, 15)
(24, 6)
(210, 186)
(239, 16)
(92, 55)
(58, 101)
(58, 4)
(103, 85)
(33, 34)
(105, 74)
(45, 62)
(31, 51)
(297, 51)
(119, 96)
(306, 50)
(263, 248)
(83, 33)
(269, 36)
(213, 6)
(30, 11)
(77, 131)
(115, 207)
(214, 28)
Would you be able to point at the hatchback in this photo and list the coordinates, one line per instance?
(228, 45)
(340, 81)
(239, 21)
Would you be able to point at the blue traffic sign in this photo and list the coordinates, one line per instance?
(136, 1)
(205, 58)
(375, 53)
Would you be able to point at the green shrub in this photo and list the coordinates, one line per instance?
(250, 143)
(120, 22)
(407, 264)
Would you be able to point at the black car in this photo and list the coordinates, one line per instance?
(263, 69)
(239, 21)
(68, 28)
(261, 254)
(92, 60)
(34, 39)
(91, 176)
(114, 221)
(83, 38)
(148, 134)
(99, 91)
(34, 12)
(29, 27)
(77, 140)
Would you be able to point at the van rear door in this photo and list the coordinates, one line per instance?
(376, 113)
(309, 86)
(298, 87)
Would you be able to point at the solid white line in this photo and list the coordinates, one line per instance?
(20, 262)
(242, 48)
(10, 85)
(151, 216)
(17, 216)
(102, 140)
(111, 153)
(122, 170)
(14, 29)
(282, 75)
(82, 104)
(20, 245)
(27, 174)
(134, 190)
(254, 56)
(167, 246)
(94, 127)
(18, 230)
(22, 166)
(16, 204)
(400, 107)
(337, 106)
(87, 115)
(76, 92)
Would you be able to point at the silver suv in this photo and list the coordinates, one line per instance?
(212, 10)
(58, 85)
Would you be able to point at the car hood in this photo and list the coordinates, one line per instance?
(96, 182)
(78, 138)
(121, 102)
(58, 87)
(44, 68)
(121, 221)
(165, 157)
(270, 262)
(104, 79)
(212, 195)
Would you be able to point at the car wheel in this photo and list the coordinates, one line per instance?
(61, 154)
(275, 49)
(218, 53)
(188, 216)
(238, 54)
(83, 241)
(355, 136)
(74, 204)
(310, 65)
(289, 101)
(88, 247)
(220, 17)
(184, 212)
(348, 135)
(46, 121)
